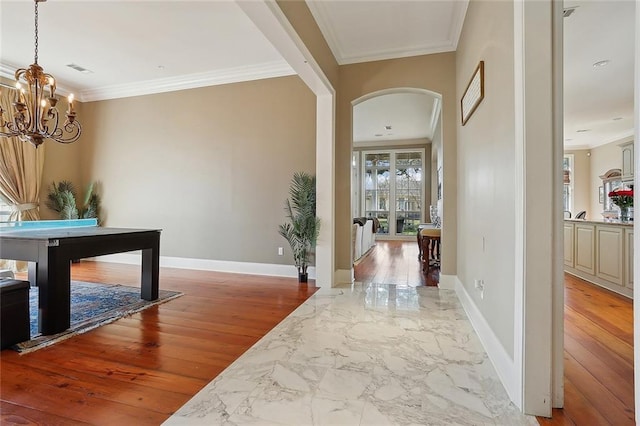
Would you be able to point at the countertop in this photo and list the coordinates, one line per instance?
(602, 222)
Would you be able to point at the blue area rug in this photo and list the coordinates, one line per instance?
(92, 305)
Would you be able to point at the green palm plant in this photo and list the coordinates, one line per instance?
(62, 199)
(303, 227)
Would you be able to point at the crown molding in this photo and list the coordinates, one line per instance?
(404, 52)
(189, 81)
(321, 16)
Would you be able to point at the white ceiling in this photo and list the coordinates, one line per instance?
(139, 47)
(394, 117)
(598, 99)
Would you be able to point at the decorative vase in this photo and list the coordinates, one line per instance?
(302, 277)
(624, 214)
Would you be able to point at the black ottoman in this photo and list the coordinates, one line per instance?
(14, 312)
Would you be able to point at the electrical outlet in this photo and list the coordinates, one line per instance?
(280, 251)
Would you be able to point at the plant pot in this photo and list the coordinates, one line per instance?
(302, 277)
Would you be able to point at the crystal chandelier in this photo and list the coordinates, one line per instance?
(35, 117)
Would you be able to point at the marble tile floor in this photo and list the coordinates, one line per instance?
(369, 354)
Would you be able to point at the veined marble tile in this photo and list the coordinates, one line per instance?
(370, 354)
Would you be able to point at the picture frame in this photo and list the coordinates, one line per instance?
(473, 94)
(601, 194)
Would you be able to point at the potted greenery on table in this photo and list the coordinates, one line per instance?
(303, 227)
(62, 199)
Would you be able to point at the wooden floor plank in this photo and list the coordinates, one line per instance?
(140, 369)
(12, 414)
(177, 347)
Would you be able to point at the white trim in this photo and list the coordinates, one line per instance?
(251, 268)
(557, 315)
(499, 357)
(190, 81)
(519, 208)
(435, 116)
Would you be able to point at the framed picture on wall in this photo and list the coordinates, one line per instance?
(601, 194)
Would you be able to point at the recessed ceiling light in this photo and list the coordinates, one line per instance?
(583, 130)
(601, 63)
(617, 118)
(77, 67)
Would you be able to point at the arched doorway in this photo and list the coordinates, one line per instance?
(396, 150)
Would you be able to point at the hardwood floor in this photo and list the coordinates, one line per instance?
(140, 369)
(395, 262)
(598, 357)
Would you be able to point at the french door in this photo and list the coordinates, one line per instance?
(393, 190)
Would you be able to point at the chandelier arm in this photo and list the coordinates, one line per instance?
(74, 128)
(52, 114)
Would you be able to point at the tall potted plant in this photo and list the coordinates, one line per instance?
(303, 227)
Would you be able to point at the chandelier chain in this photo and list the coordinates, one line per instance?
(35, 116)
(35, 59)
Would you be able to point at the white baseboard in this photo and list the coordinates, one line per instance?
(447, 282)
(501, 360)
(271, 269)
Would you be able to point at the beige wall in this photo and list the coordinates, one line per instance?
(430, 72)
(603, 159)
(210, 166)
(486, 170)
(583, 192)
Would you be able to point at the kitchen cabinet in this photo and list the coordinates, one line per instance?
(600, 252)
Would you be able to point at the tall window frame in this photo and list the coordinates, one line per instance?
(390, 214)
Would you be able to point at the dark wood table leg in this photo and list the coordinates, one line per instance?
(151, 271)
(54, 292)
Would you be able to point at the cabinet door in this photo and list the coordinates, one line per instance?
(584, 255)
(628, 244)
(568, 244)
(610, 242)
